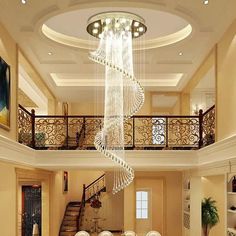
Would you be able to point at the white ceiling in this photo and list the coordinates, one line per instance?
(158, 66)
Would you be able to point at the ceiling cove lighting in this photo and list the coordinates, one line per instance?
(124, 95)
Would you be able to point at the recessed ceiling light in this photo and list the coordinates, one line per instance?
(206, 2)
(23, 1)
(136, 34)
(96, 25)
(50, 53)
(180, 54)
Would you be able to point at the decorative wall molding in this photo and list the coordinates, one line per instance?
(218, 158)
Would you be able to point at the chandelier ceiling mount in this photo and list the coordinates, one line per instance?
(116, 21)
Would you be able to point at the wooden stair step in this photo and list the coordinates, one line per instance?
(68, 233)
(72, 213)
(70, 218)
(69, 228)
(73, 208)
(69, 223)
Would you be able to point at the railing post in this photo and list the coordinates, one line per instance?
(84, 126)
(33, 128)
(67, 132)
(133, 132)
(200, 143)
(167, 128)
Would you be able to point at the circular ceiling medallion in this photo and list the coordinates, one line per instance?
(70, 28)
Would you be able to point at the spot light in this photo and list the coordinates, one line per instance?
(23, 1)
(180, 54)
(50, 53)
(206, 2)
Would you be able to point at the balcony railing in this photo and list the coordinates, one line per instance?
(141, 132)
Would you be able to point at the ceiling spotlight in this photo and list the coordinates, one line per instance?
(105, 28)
(95, 31)
(206, 2)
(23, 1)
(127, 28)
(50, 53)
(136, 23)
(96, 25)
(117, 25)
(136, 34)
(108, 21)
(180, 54)
(123, 21)
(141, 29)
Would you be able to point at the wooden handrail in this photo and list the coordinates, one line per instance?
(208, 110)
(21, 107)
(94, 181)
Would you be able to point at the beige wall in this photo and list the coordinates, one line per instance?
(76, 180)
(8, 51)
(172, 208)
(215, 187)
(226, 84)
(88, 108)
(7, 200)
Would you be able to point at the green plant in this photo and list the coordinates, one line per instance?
(210, 215)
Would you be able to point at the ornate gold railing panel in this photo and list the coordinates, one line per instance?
(24, 126)
(208, 127)
(140, 132)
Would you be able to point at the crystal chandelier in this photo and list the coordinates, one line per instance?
(124, 95)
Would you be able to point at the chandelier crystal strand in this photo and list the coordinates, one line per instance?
(124, 95)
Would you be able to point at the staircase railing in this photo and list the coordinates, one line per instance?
(140, 132)
(90, 191)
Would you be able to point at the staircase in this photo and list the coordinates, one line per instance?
(69, 223)
(75, 211)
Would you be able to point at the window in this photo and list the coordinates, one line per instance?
(141, 205)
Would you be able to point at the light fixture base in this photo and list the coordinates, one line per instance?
(117, 20)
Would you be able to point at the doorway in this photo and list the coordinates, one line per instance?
(31, 210)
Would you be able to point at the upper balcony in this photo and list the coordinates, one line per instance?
(141, 132)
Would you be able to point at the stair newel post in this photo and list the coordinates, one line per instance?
(200, 128)
(33, 128)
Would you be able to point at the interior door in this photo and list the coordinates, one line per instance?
(31, 209)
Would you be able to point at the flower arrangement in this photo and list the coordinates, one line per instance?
(95, 203)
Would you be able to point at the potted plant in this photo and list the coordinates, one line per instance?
(210, 215)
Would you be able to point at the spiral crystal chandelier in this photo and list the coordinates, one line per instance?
(124, 95)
